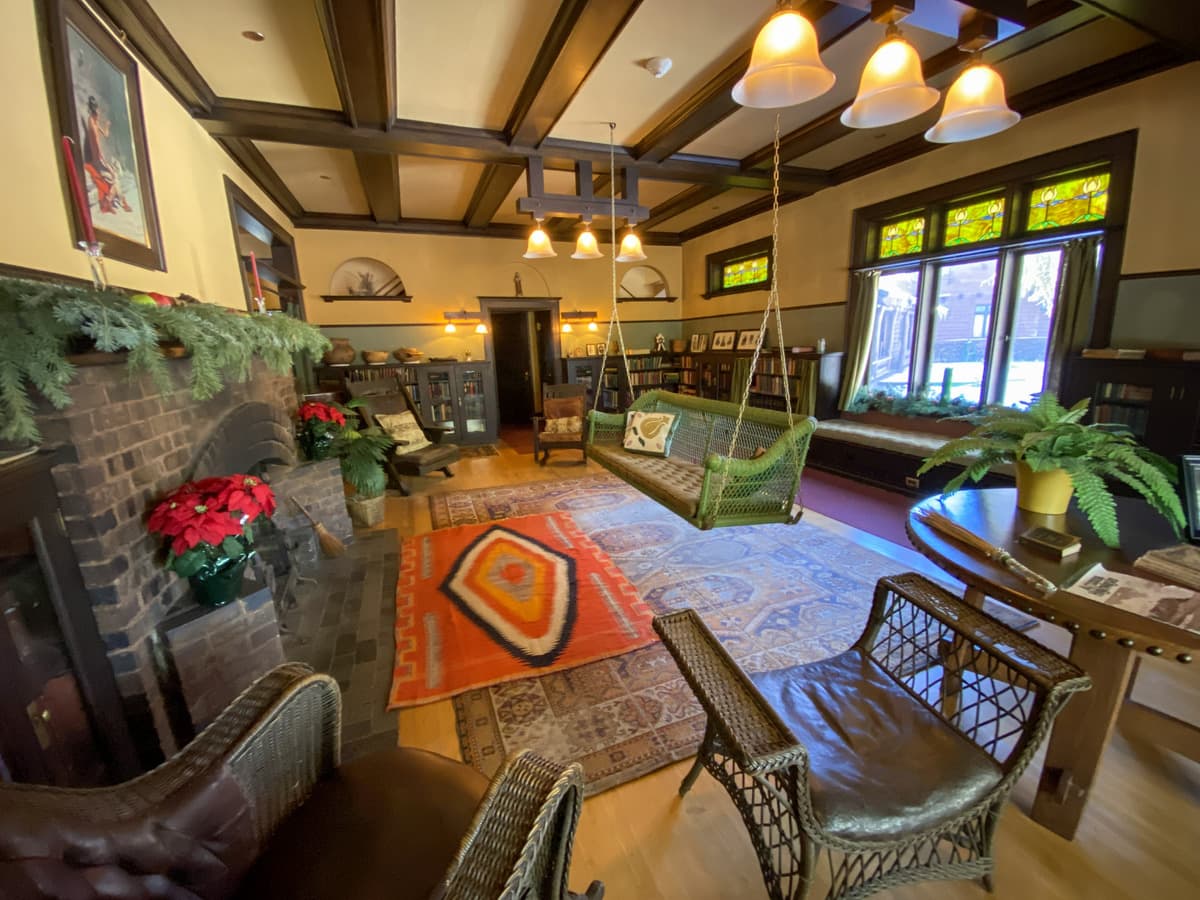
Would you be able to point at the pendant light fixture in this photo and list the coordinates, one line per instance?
(892, 87)
(785, 65)
(539, 246)
(631, 247)
(585, 245)
(976, 107)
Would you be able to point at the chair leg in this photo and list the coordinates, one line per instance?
(698, 766)
(446, 469)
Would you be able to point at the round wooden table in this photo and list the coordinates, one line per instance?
(1106, 640)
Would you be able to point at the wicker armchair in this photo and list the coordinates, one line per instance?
(893, 759)
(259, 807)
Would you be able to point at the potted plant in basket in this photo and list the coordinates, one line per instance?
(318, 426)
(209, 527)
(1056, 455)
(361, 453)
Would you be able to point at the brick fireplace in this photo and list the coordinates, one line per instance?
(121, 444)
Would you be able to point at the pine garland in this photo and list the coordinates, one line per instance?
(40, 319)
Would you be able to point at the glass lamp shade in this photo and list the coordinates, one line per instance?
(892, 88)
(592, 326)
(586, 247)
(566, 328)
(539, 246)
(481, 329)
(975, 108)
(631, 248)
(450, 329)
(785, 65)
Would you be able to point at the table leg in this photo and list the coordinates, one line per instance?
(1081, 733)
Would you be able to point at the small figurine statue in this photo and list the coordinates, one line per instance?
(660, 344)
(517, 290)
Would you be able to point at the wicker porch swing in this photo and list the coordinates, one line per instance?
(727, 464)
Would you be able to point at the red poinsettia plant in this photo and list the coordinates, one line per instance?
(318, 426)
(211, 519)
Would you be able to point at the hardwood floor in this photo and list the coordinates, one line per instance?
(1139, 837)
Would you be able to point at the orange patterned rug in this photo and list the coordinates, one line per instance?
(484, 604)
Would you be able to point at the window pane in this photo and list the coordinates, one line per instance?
(975, 222)
(1037, 287)
(1069, 202)
(892, 334)
(902, 238)
(746, 271)
(960, 332)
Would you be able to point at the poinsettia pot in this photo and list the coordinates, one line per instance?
(220, 581)
(316, 445)
(1048, 493)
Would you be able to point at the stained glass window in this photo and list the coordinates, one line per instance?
(1069, 202)
(745, 271)
(902, 238)
(982, 220)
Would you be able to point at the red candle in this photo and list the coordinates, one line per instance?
(80, 198)
(254, 271)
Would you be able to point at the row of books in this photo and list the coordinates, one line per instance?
(1115, 390)
(770, 365)
(770, 384)
(1135, 418)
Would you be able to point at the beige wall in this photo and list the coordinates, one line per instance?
(815, 232)
(450, 273)
(186, 163)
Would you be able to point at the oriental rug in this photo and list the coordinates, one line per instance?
(775, 595)
(488, 603)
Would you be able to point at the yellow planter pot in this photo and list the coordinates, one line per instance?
(1048, 493)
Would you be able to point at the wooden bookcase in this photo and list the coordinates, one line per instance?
(814, 379)
(647, 371)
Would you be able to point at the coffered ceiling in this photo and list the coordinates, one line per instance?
(411, 115)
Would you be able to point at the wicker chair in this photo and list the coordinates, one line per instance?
(893, 759)
(259, 807)
(560, 401)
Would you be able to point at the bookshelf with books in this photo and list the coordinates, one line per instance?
(1158, 401)
(813, 379)
(647, 371)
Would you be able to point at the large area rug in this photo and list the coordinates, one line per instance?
(488, 603)
(775, 595)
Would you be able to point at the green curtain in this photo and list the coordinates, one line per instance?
(737, 383)
(1073, 306)
(860, 319)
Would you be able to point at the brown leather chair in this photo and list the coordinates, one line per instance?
(259, 807)
(560, 402)
(384, 396)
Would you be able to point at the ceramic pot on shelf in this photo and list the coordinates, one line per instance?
(341, 354)
(1048, 493)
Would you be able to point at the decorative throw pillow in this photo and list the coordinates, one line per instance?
(404, 430)
(564, 425)
(650, 432)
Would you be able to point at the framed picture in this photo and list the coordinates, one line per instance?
(594, 349)
(1191, 495)
(723, 340)
(699, 343)
(99, 107)
(747, 340)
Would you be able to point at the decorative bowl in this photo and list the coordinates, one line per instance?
(374, 357)
(407, 354)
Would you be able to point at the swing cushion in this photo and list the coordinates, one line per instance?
(650, 432)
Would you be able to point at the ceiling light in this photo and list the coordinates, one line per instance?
(892, 87)
(539, 246)
(785, 66)
(585, 245)
(257, 36)
(658, 66)
(631, 248)
(975, 108)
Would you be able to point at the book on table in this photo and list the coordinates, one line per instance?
(1055, 544)
(1179, 564)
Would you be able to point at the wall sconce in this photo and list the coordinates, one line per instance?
(578, 317)
(462, 317)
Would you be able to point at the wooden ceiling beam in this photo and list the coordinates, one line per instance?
(1173, 22)
(343, 222)
(494, 185)
(714, 102)
(578, 37)
(681, 203)
(360, 40)
(246, 155)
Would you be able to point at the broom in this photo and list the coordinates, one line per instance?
(331, 544)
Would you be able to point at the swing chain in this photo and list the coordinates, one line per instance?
(614, 318)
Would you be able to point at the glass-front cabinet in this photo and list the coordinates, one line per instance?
(460, 396)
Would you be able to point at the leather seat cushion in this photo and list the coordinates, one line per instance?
(385, 825)
(881, 765)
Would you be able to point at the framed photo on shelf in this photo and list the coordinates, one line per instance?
(99, 106)
(594, 349)
(747, 340)
(1191, 494)
(723, 340)
(699, 343)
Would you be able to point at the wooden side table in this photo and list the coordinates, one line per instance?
(1106, 641)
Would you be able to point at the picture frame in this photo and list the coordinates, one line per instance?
(747, 340)
(594, 349)
(699, 343)
(98, 100)
(723, 340)
(1190, 464)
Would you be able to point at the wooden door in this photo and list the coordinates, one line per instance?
(512, 336)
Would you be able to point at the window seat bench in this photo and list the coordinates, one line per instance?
(887, 457)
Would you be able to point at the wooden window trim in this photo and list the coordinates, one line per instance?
(715, 264)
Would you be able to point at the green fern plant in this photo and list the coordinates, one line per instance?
(361, 453)
(1048, 436)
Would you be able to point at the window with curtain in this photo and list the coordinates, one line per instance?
(968, 282)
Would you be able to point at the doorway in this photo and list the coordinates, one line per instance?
(523, 343)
